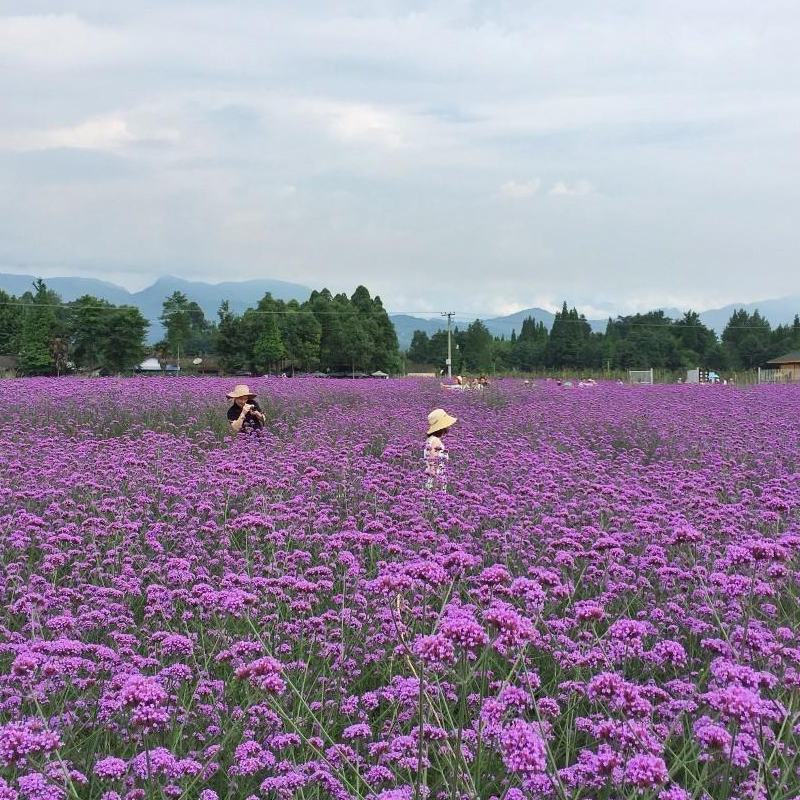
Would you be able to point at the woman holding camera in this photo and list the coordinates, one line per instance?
(245, 414)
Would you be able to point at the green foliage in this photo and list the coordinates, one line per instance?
(386, 352)
(337, 333)
(88, 326)
(106, 337)
(638, 341)
(747, 340)
(332, 333)
(47, 334)
(123, 340)
(229, 342)
(302, 336)
(477, 348)
(568, 345)
(419, 350)
(785, 338)
(40, 326)
(11, 316)
(527, 350)
(268, 350)
(177, 320)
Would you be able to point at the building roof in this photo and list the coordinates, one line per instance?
(789, 358)
(8, 362)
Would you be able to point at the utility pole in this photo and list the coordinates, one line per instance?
(449, 315)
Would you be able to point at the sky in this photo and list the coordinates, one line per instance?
(485, 155)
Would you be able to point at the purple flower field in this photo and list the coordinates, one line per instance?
(604, 603)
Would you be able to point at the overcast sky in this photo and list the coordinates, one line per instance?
(487, 155)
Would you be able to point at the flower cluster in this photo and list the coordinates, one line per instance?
(599, 604)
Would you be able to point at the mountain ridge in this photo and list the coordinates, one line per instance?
(777, 310)
(240, 294)
(244, 294)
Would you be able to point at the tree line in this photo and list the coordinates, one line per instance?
(48, 336)
(332, 333)
(638, 341)
(337, 333)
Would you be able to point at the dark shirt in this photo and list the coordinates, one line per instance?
(251, 422)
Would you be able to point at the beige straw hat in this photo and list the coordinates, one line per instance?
(240, 390)
(439, 420)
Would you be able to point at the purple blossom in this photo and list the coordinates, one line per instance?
(608, 567)
(523, 748)
(645, 771)
(110, 768)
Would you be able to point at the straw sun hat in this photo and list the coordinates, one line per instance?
(240, 390)
(439, 420)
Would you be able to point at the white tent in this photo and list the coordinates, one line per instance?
(379, 374)
(149, 365)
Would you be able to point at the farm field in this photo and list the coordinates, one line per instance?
(604, 604)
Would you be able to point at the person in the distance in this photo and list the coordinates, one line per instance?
(245, 414)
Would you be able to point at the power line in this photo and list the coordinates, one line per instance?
(464, 315)
(285, 312)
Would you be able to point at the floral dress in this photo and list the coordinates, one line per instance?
(436, 458)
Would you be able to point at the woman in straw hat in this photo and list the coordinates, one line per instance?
(436, 456)
(245, 415)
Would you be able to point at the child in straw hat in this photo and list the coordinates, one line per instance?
(436, 456)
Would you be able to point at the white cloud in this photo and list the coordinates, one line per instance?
(579, 188)
(109, 133)
(391, 119)
(520, 189)
(357, 123)
(59, 41)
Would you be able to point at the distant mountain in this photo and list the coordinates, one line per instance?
(498, 326)
(780, 311)
(68, 288)
(405, 326)
(241, 294)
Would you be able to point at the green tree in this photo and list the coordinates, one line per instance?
(386, 354)
(418, 351)
(643, 341)
(361, 325)
(201, 331)
(302, 334)
(568, 340)
(437, 348)
(268, 349)
(502, 357)
(40, 326)
(11, 316)
(229, 342)
(785, 338)
(357, 344)
(88, 328)
(177, 321)
(331, 313)
(255, 323)
(123, 339)
(528, 349)
(746, 339)
(476, 347)
(698, 344)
